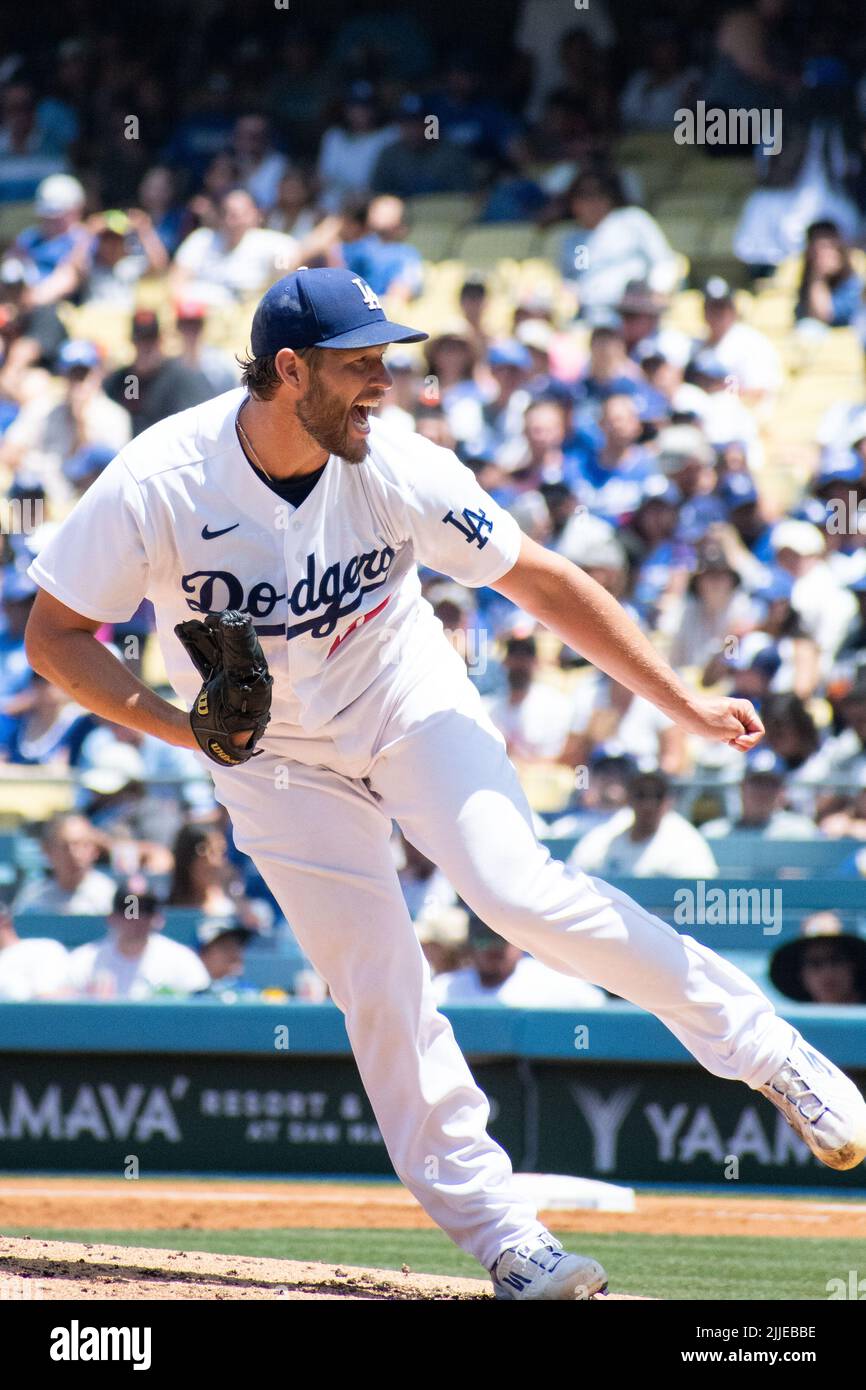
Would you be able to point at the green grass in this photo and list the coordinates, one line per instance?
(692, 1267)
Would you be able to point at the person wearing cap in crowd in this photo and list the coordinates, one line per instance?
(124, 246)
(412, 165)
(722, 414)
(509, 365)
(600, 793)
(531, 715)
(683, 455)
(748, 356)
(46, 433)
(443, 934)
(163, 384)
(382, 256)
(349, 150)
(612, 244)
(747, 518)
(236, 258)
(34, 967)
(640, 313)
(824, 965)
(72, 885)
(135, 960)
(219, 368)
(501, 973)
(659, 561)
(424, 887)
(221, 942)
(826, 609)
(715, 609)
(648, 839)
(48, 248)
(763, 814)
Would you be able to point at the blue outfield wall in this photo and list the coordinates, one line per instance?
(204, 1086)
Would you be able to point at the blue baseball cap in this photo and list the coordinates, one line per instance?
(658, 488)
(763, 762)
(508, 352)
(77, 352)
(737, 490)
(323, 308)
(839, 466)
(87, 461)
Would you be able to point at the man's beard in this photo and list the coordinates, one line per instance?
(325, 418)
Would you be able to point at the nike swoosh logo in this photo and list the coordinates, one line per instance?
(208, 535)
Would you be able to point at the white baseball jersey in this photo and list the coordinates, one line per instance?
(181, 518)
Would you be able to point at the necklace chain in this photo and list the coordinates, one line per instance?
(247, 442)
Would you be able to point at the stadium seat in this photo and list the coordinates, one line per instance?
(742, 856)
(455, 209)
(434, 240)
(484, 246)
(549, 241)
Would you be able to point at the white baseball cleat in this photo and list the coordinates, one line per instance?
(542, 1269)
(821, 1104)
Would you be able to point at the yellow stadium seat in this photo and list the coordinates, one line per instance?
(433, 239)
(484, 246)
(456, 208)
(735, 176)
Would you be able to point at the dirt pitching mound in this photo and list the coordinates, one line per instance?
(53, 1269)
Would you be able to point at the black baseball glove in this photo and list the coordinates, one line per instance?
(236, 695)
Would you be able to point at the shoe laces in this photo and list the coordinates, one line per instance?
(789, 1083)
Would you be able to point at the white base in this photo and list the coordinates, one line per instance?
(558, 1192)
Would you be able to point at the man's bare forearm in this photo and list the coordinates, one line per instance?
(95, 678)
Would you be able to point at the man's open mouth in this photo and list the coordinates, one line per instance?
(359, 415)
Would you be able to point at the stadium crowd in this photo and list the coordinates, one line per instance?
(635, 448)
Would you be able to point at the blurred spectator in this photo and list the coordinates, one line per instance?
(612, 466)
(425, 888)
(744, 70)
(124, 248)
(221, 946)
(469, 118)
(382, 256)
(351, 148)
(715, 610)
(640, 312)
(134, 960)
(607, 716)
(826, 965)
(219, 368)
(748, 355)
(825, 608)
(33, 968)
(29, 337)
(647, 839)
(236, 258)
(416, 163)
(152, 385)
(47, 250)
(830, 289)
(73, 884)
(202, 873)
(532, 716)
(763, 815)
(601, 792)
(500, 973)
(28, 153)
(612, 244)
(47, 433)
(299, 89)
(443, 934)
(653, 95)
(157, 197)
(292, 212)
(555, 35)
(260, 166)
(46, 724)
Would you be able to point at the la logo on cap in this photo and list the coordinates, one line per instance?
(369, 297)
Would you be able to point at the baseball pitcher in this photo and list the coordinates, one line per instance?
(277, 530)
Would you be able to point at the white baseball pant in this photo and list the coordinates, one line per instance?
(321, 840)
